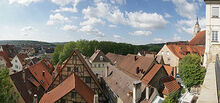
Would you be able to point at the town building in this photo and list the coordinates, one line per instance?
(31, 82)
(30, 51)
(4, 60)
(10, 50)
(199, 39)
(212, 46)
(18, 63)
(76, 64)
(99, 63)
(172, 53)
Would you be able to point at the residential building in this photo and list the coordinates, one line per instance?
(199, 39)
(31, 82)
(172, 54)
(10, 50)
(4, 60)
(212, 46)
(77, 64)
(27, 50)
(18, 63)
(99, 63)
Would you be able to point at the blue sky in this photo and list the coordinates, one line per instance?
(129, 21)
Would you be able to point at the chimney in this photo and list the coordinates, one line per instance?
(175, 72)
(136, 91)
(43, 73)
(135, 58)
(137, 70)
(107, 72)
(35, 99)
(148, 92)
(96, 98)
(23, 74)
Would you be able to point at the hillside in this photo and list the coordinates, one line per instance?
(23, 42)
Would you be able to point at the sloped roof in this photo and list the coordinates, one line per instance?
(9, 49)
(181, 50)
(168, 69)
(153, 71)
(170, 85)
(22, 57)
(115, 58)
(77, 52)
(130, 65)
(27, 88)
(96, 57)
(72, 82)
(5, 56)
(37, 71)
(199, 39)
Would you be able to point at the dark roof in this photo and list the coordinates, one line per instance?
(22, 57)
(72, 82)
(6, 58)
(181, 50)
(10, 50)
(170, 85)
(28, 88)
(96, 57)
(37, 71)
(199, 39)
(115, 58)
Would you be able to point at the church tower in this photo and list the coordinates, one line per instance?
(196, 28)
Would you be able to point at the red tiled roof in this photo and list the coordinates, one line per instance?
(168, 69)
(199, 39)
(22, 57)
(149, 76)
(181, 50)
(37, 71)
(72, 82)
(170, 84)
(5, 56)
(115, 58)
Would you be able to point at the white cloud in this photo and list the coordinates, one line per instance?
(27, 28)
(116, 36)
(57, 18)
(92, 21)
(62, 3)
(186, 9)
(141, 33)
(176, 37)
(167, 15)
(24, 2)
(140, 20)
(158, 40)
(91, 31)
(118, 1)
(112, 26)
(69, 28)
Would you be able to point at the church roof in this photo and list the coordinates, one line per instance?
(199, 39)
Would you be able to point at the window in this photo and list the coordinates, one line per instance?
(16, 66)
(162, 52)
(16, 61)
(88, 80)
(215, 12)
(95, 65)
(168, 53)
(76, 69)
(99, 65)
(73, 94)
(214, 35)
(68, 69)
(74, 57)
(101, 58)
(103, 65)
(42, 81)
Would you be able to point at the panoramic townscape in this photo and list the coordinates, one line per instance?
(139, 69)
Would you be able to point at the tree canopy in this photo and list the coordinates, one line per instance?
(7, 93)
(87, 48)
(172, 97)
(191, 71)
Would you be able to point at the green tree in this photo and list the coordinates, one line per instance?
(172, 97)
(7, 93)
(43, 56)
(67, 50)
(56, 53)
(190, 71)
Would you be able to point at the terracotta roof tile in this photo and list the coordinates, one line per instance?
(5, 56)
(153, 71)
(115, 58)
(168, 69)
(181, 50)
(22, 57)
(37, 70)
(72, 82)
(199, 39)
(170, 85)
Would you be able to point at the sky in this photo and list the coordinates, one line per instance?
(128, 21)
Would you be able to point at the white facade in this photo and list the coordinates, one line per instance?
(212, 31)
(16, 65)
(2, 62)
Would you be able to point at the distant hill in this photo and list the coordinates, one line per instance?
(23, 42)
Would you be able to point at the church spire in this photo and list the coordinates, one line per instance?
(197, 21)
(196, 27)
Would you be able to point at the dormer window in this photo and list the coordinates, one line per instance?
(42, 81)
(215, 12)
(101, 58)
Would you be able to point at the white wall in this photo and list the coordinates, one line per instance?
(16, 65)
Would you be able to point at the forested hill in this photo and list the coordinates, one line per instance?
(87, 48)
(23, 42)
